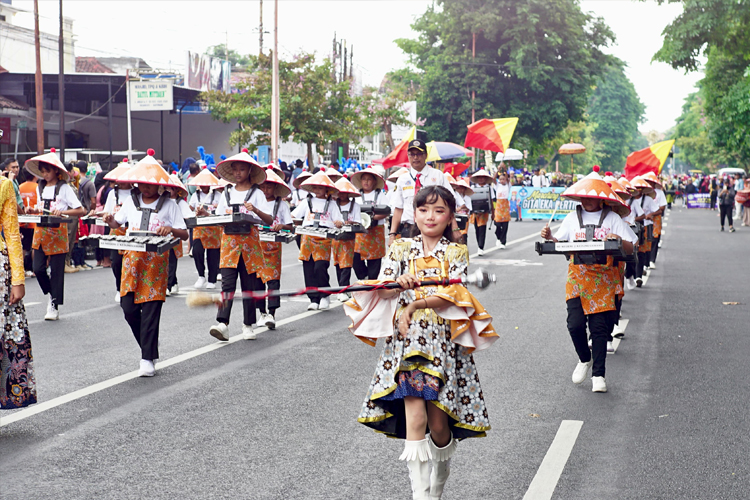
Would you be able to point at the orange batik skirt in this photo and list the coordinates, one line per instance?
(371, 245)
(210, 236)
(245, 246)
(480, 219)
(317, 248)
(52, 240)
(343, 253)
(502, 211)
(272, 256)
(145, 274)
(657, 226)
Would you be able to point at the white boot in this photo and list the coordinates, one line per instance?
(441, 466)
(417, 456)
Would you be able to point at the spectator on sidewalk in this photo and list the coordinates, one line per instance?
(726, 203)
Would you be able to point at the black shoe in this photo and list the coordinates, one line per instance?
(731, 229)
(722, 228)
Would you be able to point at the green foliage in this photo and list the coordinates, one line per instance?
(235, 58)
(537, 60)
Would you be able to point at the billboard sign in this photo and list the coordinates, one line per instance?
(151, 95)
(207, 73)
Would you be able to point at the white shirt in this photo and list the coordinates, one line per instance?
(661, 198)
(327, 219)
(283, 216)
(199, 197)
(382, 199)
(257, 199)
(467, 201)
(403, 194)
(298, 195)
(570, 229)
(354, 214)
(111, 206)
(536, 181)
(502, 191)
(649, 206)
(635, 211)
(170, 215)
(66, 198)
(185, 209)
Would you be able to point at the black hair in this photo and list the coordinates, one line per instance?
(431, 194)
(194, 169)
(7, 162)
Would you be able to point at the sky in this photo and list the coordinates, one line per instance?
(162, 31)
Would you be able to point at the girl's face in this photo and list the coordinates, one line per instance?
(205, 189)
(241, 171)
(319, 191)
(433, 218)
(591, 205)
(149, 190)
(503, 180)
(482, 181)
(368, 182)
(460, 190)
(268, 189)
(49, 174)
(343, 198)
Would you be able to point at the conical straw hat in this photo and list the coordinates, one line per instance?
(275, 168)
(593, 187)
(119, 171)
(319, 179)
(281, 189)
(462, 182)
(176, 183)
(356, 178)
(257, 174)
(147, 171)
(51, 159)
(332, 173)
(301, 178)
(398, 173)
(204, 179)
(451, 180)
(344, 186)
(642, 184)
(481, 173)
(652, 179)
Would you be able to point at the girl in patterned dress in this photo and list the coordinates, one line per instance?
(54, 197)
(425, 378)
(17, 382)
(115, 198)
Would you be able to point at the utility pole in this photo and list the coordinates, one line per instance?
(260, 51)
(61, 85)
(226, 45)
(473, 96)
(275, 114)
(130, 130)
(39, 95)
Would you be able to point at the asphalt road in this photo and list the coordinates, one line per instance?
(275, 418)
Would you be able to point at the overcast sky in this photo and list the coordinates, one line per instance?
(161, 32)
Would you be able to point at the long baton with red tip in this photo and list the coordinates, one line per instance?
(479, 278)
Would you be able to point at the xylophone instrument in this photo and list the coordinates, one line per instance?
(93, 220)
(45, 220)
(138, 241)
(461, 221)
(585, 252)
(347, 232)
(276, 236)
(234, 223)
(372, 209)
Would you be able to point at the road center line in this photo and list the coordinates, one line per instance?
(545, 481)
(519, 240)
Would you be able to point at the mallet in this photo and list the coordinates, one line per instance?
(479, 278)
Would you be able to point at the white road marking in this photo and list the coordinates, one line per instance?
(519, 240)
(511, 262)
(545, 481)
(28, 304)
(76, 314)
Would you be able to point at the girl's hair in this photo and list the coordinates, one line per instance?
(431, 194)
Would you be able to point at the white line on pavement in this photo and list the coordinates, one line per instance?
(545, 481)
(76, 314)
(28, 304)
(519, 240)
(623, 324)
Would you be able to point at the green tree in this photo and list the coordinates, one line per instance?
(536, 59)
(691, 134)
(616, 110)
(235, 58)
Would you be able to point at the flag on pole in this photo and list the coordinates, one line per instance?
(456, 169)
(398, 155)
(650, 159)
(491, 135)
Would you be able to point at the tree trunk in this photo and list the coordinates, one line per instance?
(310, 162)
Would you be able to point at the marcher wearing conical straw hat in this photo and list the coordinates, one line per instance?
(661, 202)
(241, 255)
(625, 190)
(369, 247)
(343, 250)
(276, 192)
(646, 198)
(299, 194)
(144, 279)
(463, 191)
(206, 240)
(480, 219)
(322, 210)
(502, 209)
(590, 290)
(178, 193)
(119, 193)
(50, 244)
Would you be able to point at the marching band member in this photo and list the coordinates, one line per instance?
(298, 196)
(206, 240)
(241, 255)
(463, 191)
(480, 219)
(661, 201)
(590, 290)
(502, 209)
(635, 216)
(646, 199)
(144, 274)
(343, 250)
(275, 191)
(178, 193)
(54, 197)
(119, 193)
(369, 247)
(315, 252)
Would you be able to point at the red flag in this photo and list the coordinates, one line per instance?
(650, 159)
(456, 169)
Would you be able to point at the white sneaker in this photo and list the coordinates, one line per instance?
(498, 244)
(581, 371)
(591, 344)
(200, 283)
(168, 292)
(312, 306)
(117, 297)
(652, 266)
(220, 331)
(598, 384)
(147, 368)
(502, 246)
(610, 347)
(630, 283)
(210, 286)
(175, 289)
(618, 332)
(249, 332)
(325, 302)
(268, 320)
(52, 313)
(218, 277)
(480, 252)
(343, 297)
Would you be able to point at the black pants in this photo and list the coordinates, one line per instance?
(630, 268)
(481, 232)
(501, 231)
(600, 326)
(53, 283)
(726, 211)
(344, 275)
(712, 201)
(369, 270)
(229, 277)
(316, 275)
(144, 322)
(116, 259)
(213, 256)
(643, 262)
(655, 248)
(616, 321)
(27, 236)
(273, 302)
(172, 278)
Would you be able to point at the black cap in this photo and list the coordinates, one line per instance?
(298, 163)
(418, 145)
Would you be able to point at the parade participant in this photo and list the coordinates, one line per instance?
(27, 188)
(115, 198)
(646, 199)
(369, 247)
(178, 193)
(241, 255)
(144, 274)
(299, 194)
(590, 290)
(408, 185)
(343, 250)
(206, 240)
(275, 191)
(426, 376)
(17, 382)
(315, 252)
(55, 197)
(634, 218)
(502, 209)
(463, 191)
(480, 219)
(661, 202)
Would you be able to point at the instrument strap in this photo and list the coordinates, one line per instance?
(276, 206)
(345, 213)
(58, 187)
(146, 212)
(591, 227)
(236, 206)
(316, 216)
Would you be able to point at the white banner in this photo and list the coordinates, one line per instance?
(152, 95)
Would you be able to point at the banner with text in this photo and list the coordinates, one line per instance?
(698, 200)
(152, 95)
(207, 73)
(539, 203)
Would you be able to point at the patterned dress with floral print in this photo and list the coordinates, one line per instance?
(371, 245)
(425, 363)
(657, 226)
(317, 248)
(480, 219)
(210, 236)
(502, 210)
(343, 253)
(246, 246)
(145, 274)
(272, 256)
(596, 285)
(52, 240)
